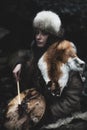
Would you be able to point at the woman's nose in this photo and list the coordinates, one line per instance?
(38, 35)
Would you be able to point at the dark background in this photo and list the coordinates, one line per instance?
(16, 33)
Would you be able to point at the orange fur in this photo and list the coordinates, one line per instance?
(56, 55)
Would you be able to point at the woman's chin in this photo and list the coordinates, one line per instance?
(40, 44)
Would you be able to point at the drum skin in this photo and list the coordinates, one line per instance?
(28, 113)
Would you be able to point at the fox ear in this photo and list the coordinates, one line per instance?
(64, 45)
(61, 47)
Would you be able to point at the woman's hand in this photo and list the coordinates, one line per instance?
(17, 71)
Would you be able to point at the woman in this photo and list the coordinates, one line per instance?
(47, 27)
(47, 30)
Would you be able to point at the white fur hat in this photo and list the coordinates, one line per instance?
(47, 21)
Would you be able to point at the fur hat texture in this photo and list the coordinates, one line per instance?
(47, 21)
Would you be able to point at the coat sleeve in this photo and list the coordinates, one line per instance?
(69, 101)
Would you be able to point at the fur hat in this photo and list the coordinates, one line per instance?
(47, 21)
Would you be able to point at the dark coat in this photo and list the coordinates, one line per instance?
(64, 106)
(57, 107)
(70, 100)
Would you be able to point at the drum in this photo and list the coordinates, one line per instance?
(28, 113)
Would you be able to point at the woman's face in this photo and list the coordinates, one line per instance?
(41, 38)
